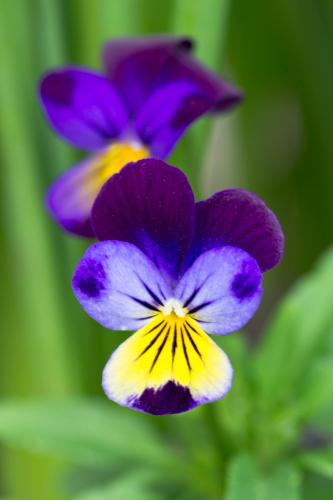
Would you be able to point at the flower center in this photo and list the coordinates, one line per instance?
(117, 156)
(174, 307)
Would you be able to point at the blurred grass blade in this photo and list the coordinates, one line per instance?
(205, 22)
(134, 485)
(320, 462)
(82, 431)
(33, 271)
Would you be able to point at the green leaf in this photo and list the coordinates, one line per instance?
(319, 462)
(283, 482)
(246, 481)
(134, 485)
(316, 394)
(243, 479)
(296, 335)
(82, 431)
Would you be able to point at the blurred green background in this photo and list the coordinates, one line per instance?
(271, 437)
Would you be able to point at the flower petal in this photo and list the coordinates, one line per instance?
(71, 196)
(83, 107)
(136, 65)
(151, 205)
(221, 290)
(118, 286)
(167, 114)
(166, 368)
(238, 218)
(184, 67)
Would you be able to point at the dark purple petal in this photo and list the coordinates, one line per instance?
(167, 114)
(83, 107)
(238, 218)
(151, 205)
(170, 399)
(221, 290)
(136, 65)
(184, 67)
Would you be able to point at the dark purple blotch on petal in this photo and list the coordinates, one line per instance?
(245, 284)
(90, 278)
(58, 88)
(171, 398)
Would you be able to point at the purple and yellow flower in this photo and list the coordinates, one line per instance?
(151, 92)
(174, 271)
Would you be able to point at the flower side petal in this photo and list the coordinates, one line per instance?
(238, 218)
(184, 67)
(221, 290)
(151, 205)
(167, 367)
(83, 107)
(71, 196)
(118, 286)
(167, 114)
(135, 65)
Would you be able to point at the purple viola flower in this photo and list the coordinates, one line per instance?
(151, 92)
(175, 271)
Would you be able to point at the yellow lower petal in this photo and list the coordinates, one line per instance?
(170, 352)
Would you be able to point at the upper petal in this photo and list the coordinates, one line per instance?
(238, 218)
(183, 66)
(221, 290)
(118, 286)
(136, 65)
(151, 205)
(83, 107)
(167, 113)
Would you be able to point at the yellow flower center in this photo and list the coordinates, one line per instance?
(116, 157)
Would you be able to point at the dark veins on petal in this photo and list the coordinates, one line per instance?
(245, 284)
(59, 88)
(90, 278)
(169, 399)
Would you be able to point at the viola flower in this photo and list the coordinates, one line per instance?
(151, 92)
(174, 271)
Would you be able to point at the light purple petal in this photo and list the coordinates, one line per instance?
(151, 205)
(238, 218)
(118, 286)
(71, 196)
(167, 114)
(221, 290)
(83, 107)
(136, 66)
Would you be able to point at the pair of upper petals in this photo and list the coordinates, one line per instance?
(152, 206)
(153, 89)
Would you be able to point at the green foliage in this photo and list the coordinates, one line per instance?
(254, 444)
(84, 432)
(245, 480)
(273, 433)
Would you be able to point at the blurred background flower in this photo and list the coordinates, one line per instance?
(271, 436)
